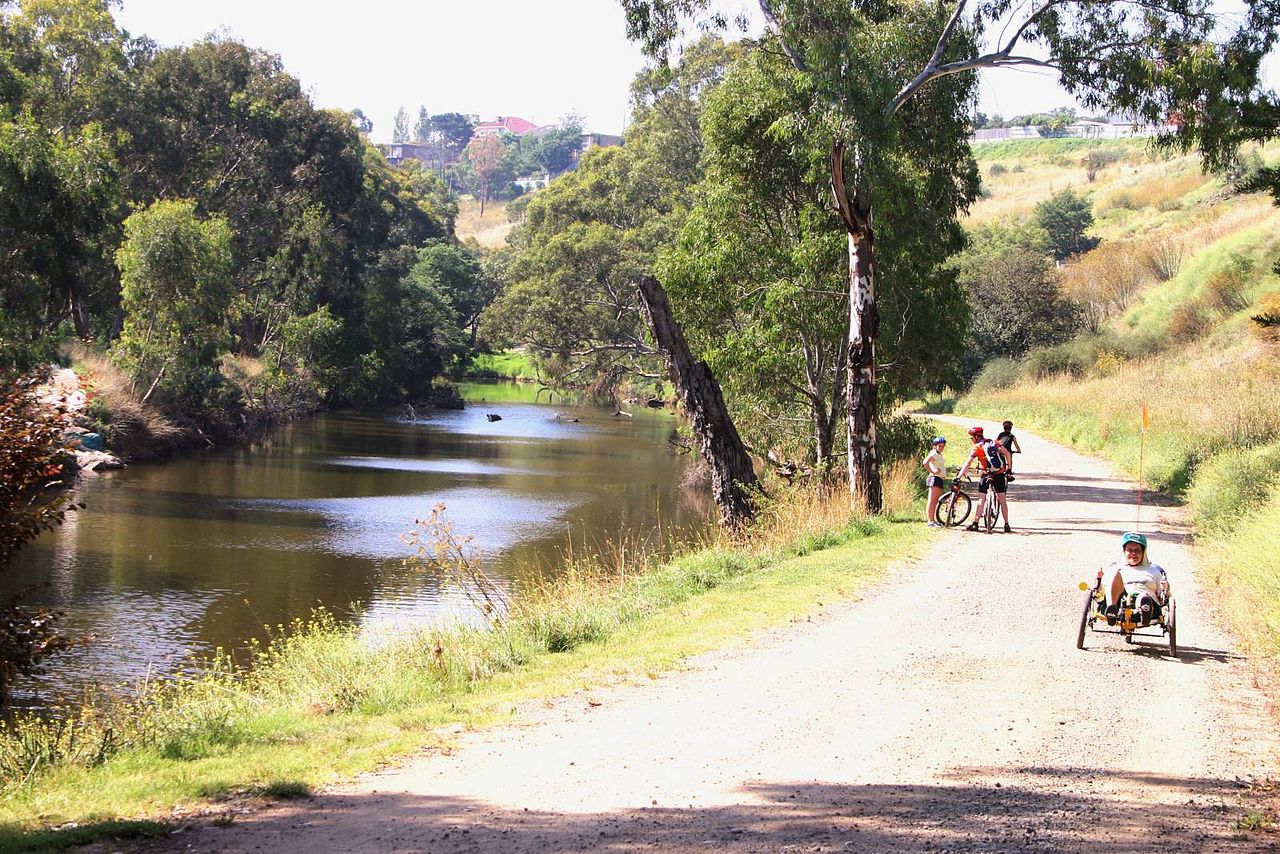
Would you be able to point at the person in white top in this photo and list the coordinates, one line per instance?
(936, 467)
(1138, 577)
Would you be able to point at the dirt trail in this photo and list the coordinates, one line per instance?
(948, 710)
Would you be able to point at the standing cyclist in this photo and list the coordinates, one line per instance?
(994, 465)
(1009, 442)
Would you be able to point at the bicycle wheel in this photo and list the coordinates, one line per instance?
(953, 509)
(991, 512)
(1084, 619)
(1171, 626)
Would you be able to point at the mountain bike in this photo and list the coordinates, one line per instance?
(954, 506)
(990, 509)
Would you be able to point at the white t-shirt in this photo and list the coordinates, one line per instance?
(935, 464)
(1140, 579)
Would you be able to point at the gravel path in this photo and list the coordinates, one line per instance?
(948, 710)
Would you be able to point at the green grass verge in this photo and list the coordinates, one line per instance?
(322, 703)
(1014, 150)
(500, 366)
(1240, 567)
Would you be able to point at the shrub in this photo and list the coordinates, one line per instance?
(900, 437)
(997, 169)
(1095, 160)
(998, 374)
(1232, 484)
(1266, 317)
(1226, 289)
(1189, 321)
(1066, 217)
(1162, 256)
(31, 462)
(1108, 278)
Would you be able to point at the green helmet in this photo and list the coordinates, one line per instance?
(1133, 537)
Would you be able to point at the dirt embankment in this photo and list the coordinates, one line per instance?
(949, 710)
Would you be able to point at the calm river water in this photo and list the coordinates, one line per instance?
(172, 561)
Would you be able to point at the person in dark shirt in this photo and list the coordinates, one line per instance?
(1009, 442)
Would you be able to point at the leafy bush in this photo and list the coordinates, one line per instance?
(1226, 289)
(998, 374)
(1232, 484)
(1066, 217)
(997, 169)
(1095, 160)
(901, 437)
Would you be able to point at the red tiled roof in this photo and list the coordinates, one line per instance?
(511, 124)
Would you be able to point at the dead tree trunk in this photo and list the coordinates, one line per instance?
(732, 477)
(864, 328)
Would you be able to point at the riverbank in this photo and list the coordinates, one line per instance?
(321, 703)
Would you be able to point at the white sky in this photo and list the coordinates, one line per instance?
(537, 59)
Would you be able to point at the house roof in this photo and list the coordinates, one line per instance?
(511, 124)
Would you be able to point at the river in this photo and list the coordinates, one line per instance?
(167, 563)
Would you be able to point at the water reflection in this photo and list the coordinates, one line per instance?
(174, 560)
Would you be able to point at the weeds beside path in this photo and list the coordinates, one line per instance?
(947, 708)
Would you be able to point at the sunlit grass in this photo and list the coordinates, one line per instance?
(506, 365)
(489, 230)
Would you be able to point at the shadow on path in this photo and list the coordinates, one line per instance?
(1046, 808)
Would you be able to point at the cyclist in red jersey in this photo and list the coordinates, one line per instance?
(994, 465)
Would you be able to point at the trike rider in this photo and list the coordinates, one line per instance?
(1138, 577)
(994, 465)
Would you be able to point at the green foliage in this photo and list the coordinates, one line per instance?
(1065, 218)
(1232, 485)
(570, 292)
(94, 123)
(999, 373)
(61, 195)
(175, 291)
(900, 438)
(1014, 291)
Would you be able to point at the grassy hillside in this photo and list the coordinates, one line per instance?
(1184, 263)
(490, 230)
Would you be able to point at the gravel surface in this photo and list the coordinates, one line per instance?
(947, 710)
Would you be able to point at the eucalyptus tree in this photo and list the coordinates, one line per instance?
(893, 74)
(759, 275)
(175, 272)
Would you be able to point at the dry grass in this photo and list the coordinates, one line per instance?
(1167, 190)
(1199, 400)
(490, 230)
(132, 427)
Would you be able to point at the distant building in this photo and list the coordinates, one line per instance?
(1113, 127)
(599, 140)
(398, 152)
(508, 124)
